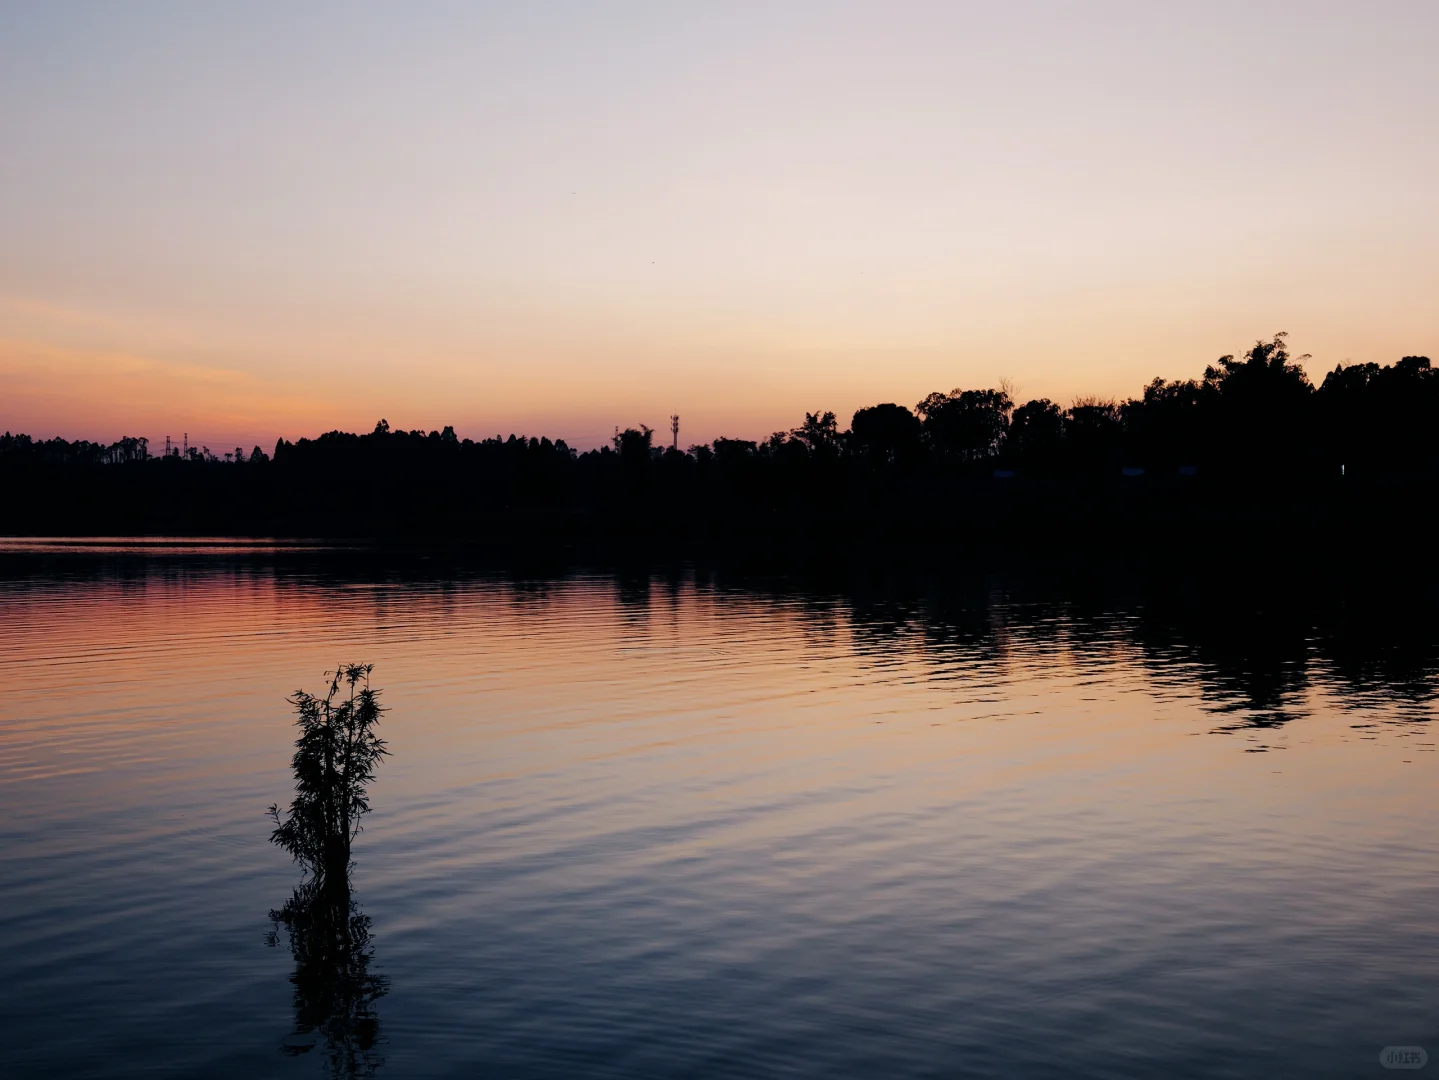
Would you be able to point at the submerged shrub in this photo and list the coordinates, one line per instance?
(335, 759)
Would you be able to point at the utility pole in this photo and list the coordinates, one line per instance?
(167, 446)
(675, 429)
(187, 445)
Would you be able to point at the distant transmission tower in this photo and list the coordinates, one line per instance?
(675, 429)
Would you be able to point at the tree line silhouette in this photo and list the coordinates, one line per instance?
(1250, 445)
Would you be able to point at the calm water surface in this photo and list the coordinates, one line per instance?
(658, 826)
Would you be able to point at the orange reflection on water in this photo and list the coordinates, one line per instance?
(655, 701)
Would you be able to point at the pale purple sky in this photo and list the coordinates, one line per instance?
(245, 220)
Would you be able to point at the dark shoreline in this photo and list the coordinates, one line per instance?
(1250, 459)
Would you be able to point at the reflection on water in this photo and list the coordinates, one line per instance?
(335, 990)
(672, 825)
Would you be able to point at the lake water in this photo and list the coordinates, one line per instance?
(671, 825)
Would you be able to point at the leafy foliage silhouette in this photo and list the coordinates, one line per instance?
(335, 759)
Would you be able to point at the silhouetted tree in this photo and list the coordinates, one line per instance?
(1165, 428)
(965, 425)
(635, 447)
(1036, 433)
(1377, 418)
(634, 444)
(1261, 407)
(820, 433)
(734, 451)
(1093, 430)
(887, 434)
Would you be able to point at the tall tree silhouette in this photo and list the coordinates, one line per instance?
(1260, 407)
(887, 434)
(1377, 418)
(1093, 435)
(820, 434)
(965, 425)
(1036, 433)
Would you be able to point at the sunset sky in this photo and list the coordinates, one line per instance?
(250, 220)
